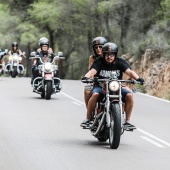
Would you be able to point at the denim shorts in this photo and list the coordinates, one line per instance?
(98, 89)
(124, 92)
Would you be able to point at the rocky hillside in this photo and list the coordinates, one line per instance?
(156, 72)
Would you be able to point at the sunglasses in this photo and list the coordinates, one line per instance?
(98, 46)
(109, 54)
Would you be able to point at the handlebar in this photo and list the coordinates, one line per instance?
(96, 79)
(38, 57)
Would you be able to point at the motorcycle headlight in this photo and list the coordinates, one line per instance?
(10, 57)
(47, 66)
(20, 58)
(15, 57)
(114, 86)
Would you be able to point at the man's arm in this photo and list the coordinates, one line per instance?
(132, 74)
(91, 73)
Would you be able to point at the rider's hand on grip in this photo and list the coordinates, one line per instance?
(141, 80)
(84, 80)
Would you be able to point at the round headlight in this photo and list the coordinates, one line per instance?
(10, 57)
(114, 86)
(47, 66)
(20, 58)
(15, 57)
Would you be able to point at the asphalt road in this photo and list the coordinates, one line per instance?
(39, 134)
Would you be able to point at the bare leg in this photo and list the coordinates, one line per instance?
(87, 95)
(92, 104)
(3, 62)
(129, 105)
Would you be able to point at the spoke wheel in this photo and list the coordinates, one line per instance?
(115, 126)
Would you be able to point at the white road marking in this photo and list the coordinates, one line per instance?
(154, 97)
(72, 98)
(140, 130)
(76, 103)
(154, 137)
(152, 141)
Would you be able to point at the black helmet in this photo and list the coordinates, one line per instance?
(110, 48)
(44, 42)
(98, 41)
(14, 44)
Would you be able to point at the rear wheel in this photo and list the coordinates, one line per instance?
(115, 126)
(48, 90)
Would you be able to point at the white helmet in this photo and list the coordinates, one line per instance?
(42, 39)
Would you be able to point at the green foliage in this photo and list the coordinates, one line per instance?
(164, 12)
(76, 66)
(8, 23)
(43, 12)
(28, 34)
(71, 25)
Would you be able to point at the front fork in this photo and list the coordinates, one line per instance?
(108, 106)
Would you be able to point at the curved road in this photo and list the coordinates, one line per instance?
(37, 134)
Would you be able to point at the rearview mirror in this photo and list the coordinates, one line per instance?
(60, 54)
(33, 54)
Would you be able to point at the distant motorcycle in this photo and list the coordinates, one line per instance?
(108, 118)
(13, 67)
(2, 54)
(45, 83)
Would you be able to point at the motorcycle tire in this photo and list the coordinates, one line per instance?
(115, 127)
(14, 72)
(48, 90)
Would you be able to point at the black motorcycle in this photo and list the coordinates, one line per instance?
(108, 118)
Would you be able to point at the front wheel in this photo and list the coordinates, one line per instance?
(115, 126)
(14, 72)
(48, 90)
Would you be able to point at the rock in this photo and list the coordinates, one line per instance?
(155, 70)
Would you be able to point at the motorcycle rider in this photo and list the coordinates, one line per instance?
(44, 39)
(102, 68)
(15, 49)
(46, 56)
(97, 43)
(2, 54)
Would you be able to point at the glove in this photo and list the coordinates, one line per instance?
(141, 80)
(84, 80)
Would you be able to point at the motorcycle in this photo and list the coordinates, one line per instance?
(2, 54)
(13, 67)
(108, 119)
(45, 83)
